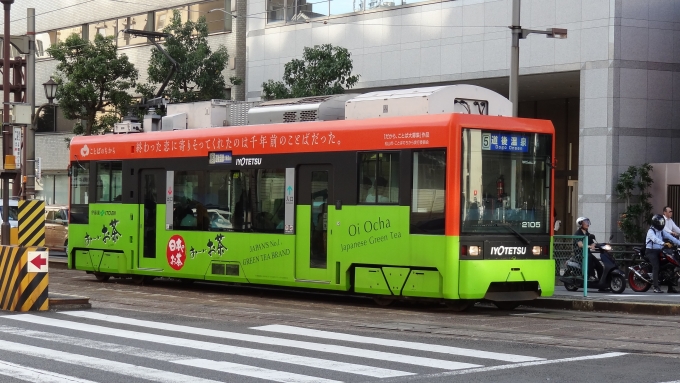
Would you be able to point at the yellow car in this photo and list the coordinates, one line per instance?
(56, 227)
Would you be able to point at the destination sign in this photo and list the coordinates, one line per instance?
(505, 142)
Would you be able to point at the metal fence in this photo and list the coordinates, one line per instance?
(568, 263)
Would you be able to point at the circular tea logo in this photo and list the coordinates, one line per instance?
(176, 252)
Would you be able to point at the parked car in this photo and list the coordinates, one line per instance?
(56, 227)
(13, 212)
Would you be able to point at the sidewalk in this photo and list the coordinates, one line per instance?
(629, 301)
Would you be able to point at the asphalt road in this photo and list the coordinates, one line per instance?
(170, 332)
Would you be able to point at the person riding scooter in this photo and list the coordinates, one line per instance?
(656, 238)
(583, 224)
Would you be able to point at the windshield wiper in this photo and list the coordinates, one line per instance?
(516, 232)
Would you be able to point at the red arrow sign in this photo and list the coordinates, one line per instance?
(39, 261)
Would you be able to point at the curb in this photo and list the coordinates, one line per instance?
(63, 302)
(58, 263)
(592, 305)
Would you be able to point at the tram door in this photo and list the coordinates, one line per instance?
(315, 190)
(151, 183)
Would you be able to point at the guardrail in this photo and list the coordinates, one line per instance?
(566, 262)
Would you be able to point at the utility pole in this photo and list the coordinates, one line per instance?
(514, 57)
(29, 136)
(6, 132)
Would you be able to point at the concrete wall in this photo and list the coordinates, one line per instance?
(630, 104)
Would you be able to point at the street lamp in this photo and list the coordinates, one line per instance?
(50, 89)
(222, 10)
(519, 33)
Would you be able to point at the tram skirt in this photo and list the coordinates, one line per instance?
(23, 278)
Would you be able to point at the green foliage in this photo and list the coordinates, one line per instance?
(92, 79)
(199, 73)
(633, 186)
(235, 80)
(323, 70)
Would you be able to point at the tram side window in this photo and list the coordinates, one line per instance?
(257, 200)
(109, 181)
(80, 182)
(428, 193)
(379, 178)
(190, 212)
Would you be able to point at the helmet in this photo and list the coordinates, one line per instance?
(581, 220)
(658, 221)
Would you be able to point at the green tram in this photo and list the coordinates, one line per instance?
(450, 206)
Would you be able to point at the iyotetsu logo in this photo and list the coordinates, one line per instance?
(84, 151)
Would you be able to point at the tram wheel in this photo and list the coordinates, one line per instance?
(102, 277)
(139, 279)
(459, 305)
(383, 301)
(506, 305)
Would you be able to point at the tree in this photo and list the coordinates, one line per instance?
(93, 79)
(322, 71)
(199, 73)
(633, 186)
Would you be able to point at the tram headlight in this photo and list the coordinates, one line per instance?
(536, 250)
(474, 250)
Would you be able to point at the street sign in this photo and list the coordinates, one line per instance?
(38, 168)
(16, 146)
(37, 261)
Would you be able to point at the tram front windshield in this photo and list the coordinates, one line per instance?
(505, 182)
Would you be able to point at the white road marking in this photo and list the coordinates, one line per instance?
(215, 347)
(523, 314)
(101, 364)
(511, 366)
(232, 368)
(396, 343)
(341, 350)
(675, 381)
(35, 375)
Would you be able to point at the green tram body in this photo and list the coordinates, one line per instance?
(370, 248)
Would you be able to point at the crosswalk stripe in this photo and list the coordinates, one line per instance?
(215, 347)
(232, 368)
(101, 364)
(283, 329)
(342, 350)
(35, 375)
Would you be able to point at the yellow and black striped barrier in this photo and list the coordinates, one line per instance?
(31, 223)
(23, 278)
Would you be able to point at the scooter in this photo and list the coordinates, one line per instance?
(612, 277)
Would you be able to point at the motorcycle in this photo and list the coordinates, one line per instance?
(612, 277)
(640, 276)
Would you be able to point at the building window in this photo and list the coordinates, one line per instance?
(428, 192)
(103, 28)
(379, 178)
(62, 34)
(109, 181)
(301, 10)
(217, 21)
(139, 22)
(164, 18)
(45, 40)
(275, 10)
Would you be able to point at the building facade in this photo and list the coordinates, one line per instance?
(612, 88)
(58, 19)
